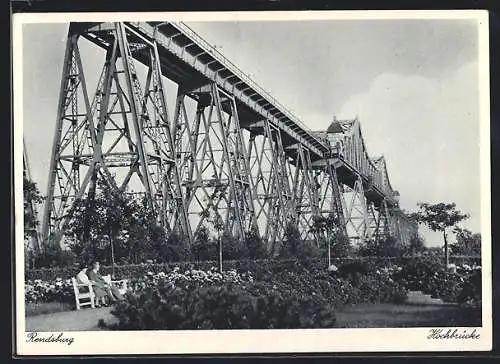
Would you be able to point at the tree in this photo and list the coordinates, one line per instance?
(467, 243)
(292, 241)
(99, 222)
(114, 226)
(328, 230)
(340, 245)
(369, 248)
(54, 256)
(255, 245)
(439, 217)
(218, 224)
(176, 248)
(204, 247)
(295, 247)
(32, 197)
(390, 247)
(416, 245)
(387, 247)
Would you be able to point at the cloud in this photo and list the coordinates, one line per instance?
(428, 130)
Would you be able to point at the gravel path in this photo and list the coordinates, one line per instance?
(83, 320)
(363, 315)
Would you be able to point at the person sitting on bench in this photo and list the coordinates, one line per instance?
(100, 285)
(82, 278)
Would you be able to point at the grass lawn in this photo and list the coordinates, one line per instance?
(35, 309)
(392, 315)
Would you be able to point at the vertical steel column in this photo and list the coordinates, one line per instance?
(384, 229)
(34, 242)
(329, 194)
(214, 161)
(372, 221)
(173, 204)
(271, 184)
(134, 96)
(356, 212)
(74, 138)
(124, 130)
(305, 192)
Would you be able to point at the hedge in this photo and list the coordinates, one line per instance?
(137, 270)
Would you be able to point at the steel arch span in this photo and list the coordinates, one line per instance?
(226, 149)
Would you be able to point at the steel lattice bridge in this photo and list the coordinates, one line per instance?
(228, 149)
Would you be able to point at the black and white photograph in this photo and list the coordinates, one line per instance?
(252, 182)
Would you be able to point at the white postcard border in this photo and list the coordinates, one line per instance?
(255, 341)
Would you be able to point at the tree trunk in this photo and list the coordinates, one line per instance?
(89, 203)
(329, 253)
(112, 256)
(446, 254)
(220, 254)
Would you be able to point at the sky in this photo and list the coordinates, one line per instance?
(413, 84)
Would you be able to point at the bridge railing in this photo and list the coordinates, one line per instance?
(244, 77)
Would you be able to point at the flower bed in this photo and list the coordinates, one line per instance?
(59, 290)
(178, 278)
(295, 297)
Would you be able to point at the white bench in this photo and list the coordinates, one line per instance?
(86, 298)
(121, 284)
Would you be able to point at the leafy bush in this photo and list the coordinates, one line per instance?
(204, 248)
(416, 245)
(255, 246)
(285, 295)
(205, 251)
(471, 291)
(233, 249)
(418, 271)
(427, 274)
(39, 291)
(353, 284)
(353, 270)
(389, 247)
(461, 286)
(227, 306)
(340, 246)
(296, 248)
(54, 256)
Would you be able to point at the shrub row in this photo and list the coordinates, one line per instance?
(432, 263)
(138, 270)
